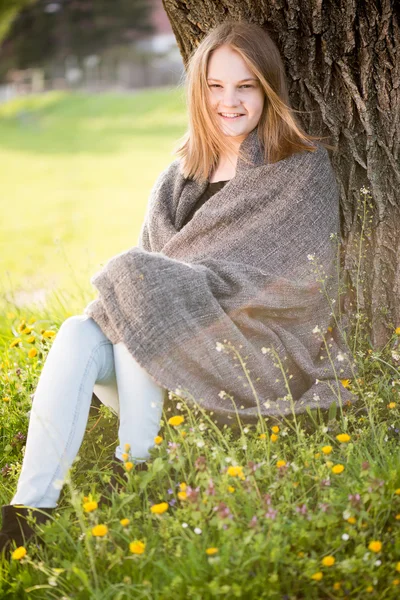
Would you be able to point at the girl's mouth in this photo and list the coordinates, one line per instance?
(230, 118)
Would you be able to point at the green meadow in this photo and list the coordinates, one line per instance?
(301, 508)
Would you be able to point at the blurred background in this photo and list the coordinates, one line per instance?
(91, 104)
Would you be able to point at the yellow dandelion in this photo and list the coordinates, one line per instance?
(125, 522)
(127, 447)
(159, 509)
(317, 576)
(328, 561)
(326, 449)
(21, 326)
(275, 429)
(343, 438)
(397, 331)
(183, 433)
(15, 342)
(32, 353)
(31, 339)
(99, 530)
(182, 495)
(396, 582)
(329, 463)
(317, 455)
(330, 329)
(281, 463)
(176, 420)
(398, 567)
(48, 333)
(231, 489)
(369, 589)
(90, 506)
(125, 456)
(337, 585)
(211, 551)
(158, 439)
(27, 330)
(338, 469)
(352, 520)
(235, 471)
(375, 546)
(6, 399)
(262, 436)
(18, 553)
(137, 547)
(397, 491)
(345, 382)
(129, 466)
(301, 554)
(392, 405)
(295, 484)
(183, 486)
(32, 320)
(274, 437)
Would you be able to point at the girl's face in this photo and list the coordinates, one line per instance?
(233, 89)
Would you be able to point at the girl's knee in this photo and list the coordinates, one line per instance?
(81, 329)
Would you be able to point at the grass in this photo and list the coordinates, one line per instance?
(248, 515)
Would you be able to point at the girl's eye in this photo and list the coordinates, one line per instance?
(244, 85)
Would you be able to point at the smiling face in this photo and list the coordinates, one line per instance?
(233, 89)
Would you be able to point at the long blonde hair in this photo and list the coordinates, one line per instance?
(278, 129)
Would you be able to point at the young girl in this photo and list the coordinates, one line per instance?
(237, 93)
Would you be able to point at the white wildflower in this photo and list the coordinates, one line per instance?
(184, 525)
(310, 257)
(316, 329)
(197, 530)
(265, 350)
(340, 357)
(378, 563)
(222, 394)
(345, 537)
(346, 514)
(200, 443)
(364, 190)
(218, 347)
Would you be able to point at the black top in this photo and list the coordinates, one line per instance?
(210, 190)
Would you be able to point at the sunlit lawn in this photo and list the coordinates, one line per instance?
(75, 175)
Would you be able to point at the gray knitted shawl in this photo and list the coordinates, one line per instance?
(236, 287)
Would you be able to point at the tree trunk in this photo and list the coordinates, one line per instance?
(342, 61)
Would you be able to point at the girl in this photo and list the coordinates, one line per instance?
(236, 93)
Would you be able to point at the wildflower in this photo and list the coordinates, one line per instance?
(343, 438)
(127, 447)
(32, 353)
(6, 399)
(275, 429)
(183, 433)
(338, 469)
(15, 342)
(211, 551)
(48, 333)
(125, 522)
(397, 517)
(345, 537)
(375, 546)
(317, 455)
(21, 326)
(159, 509)
(398, 567)
(329, 463)
(18, 553)
(137, 547)
(317, 576)
(328, 561)
(182, 495)
(262, 436)
(326, 449)
(235, 472)
(351, 520)
(185, 525)
(281, 463)
(392, 405)
(129, 465)
(397, 331)
(316, 329)
(231, 489)
(397, 491)
(30, 339)
(197, 530)
(200, 463)
(345, 382)
(99, 530)
(271, 513)
(90, 506)
(337, 585)
(125, 456)
(176, 420)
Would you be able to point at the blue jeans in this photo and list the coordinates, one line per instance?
(82, 360)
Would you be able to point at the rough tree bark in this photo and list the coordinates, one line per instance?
(342, 60)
